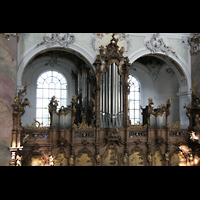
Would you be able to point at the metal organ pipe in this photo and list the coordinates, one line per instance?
(111, 99)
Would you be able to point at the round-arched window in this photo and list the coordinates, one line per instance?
(134, 100)
(50, 83)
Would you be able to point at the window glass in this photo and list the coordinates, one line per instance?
(50, 83)
(134, 100)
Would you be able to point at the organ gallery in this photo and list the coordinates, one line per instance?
(113, 112)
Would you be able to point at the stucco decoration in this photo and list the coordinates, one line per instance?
(104, 39)
(63, 39)
(157, 44)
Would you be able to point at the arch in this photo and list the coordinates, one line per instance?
(32, 52)
(182, 66)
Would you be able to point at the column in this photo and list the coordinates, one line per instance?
(184, 98)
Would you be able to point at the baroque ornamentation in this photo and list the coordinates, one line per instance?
(83, 125)
(138, 126)
(154, 69)
(157, 44)
(170, 71)
(36, 126)
(177, 125)
(104, 38)
(63, 39)
(183, 81)
(193, 41)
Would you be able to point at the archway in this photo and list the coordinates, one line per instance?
(32, 52)
(176, 66)
(54, 59)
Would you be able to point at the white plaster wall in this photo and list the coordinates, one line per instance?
(30, 39)
(179, 48)
(167, 86)
(85, 39)
(136, 42)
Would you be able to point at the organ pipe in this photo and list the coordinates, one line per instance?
(111, 99)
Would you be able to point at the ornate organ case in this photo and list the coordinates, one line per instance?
(95, 130)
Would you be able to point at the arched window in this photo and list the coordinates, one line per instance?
(50, 83)
(134, 100)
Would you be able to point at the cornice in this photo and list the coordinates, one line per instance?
(168, 35)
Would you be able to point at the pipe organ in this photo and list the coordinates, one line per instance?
(95, 128)
(111, 98)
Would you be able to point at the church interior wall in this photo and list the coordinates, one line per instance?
(12, 53)
(30, 39)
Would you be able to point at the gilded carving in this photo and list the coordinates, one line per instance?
(36, 126)
(51, 160)
(83, 125)
(138, 126)
(177, 125)
(98, 158)
(36, 161)
(60, 160)
(178, 159)
(149, 157)
(125, 158)
(157, 158)
(137, 159)
(111, 158)
(71, 160)
(84, 159)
